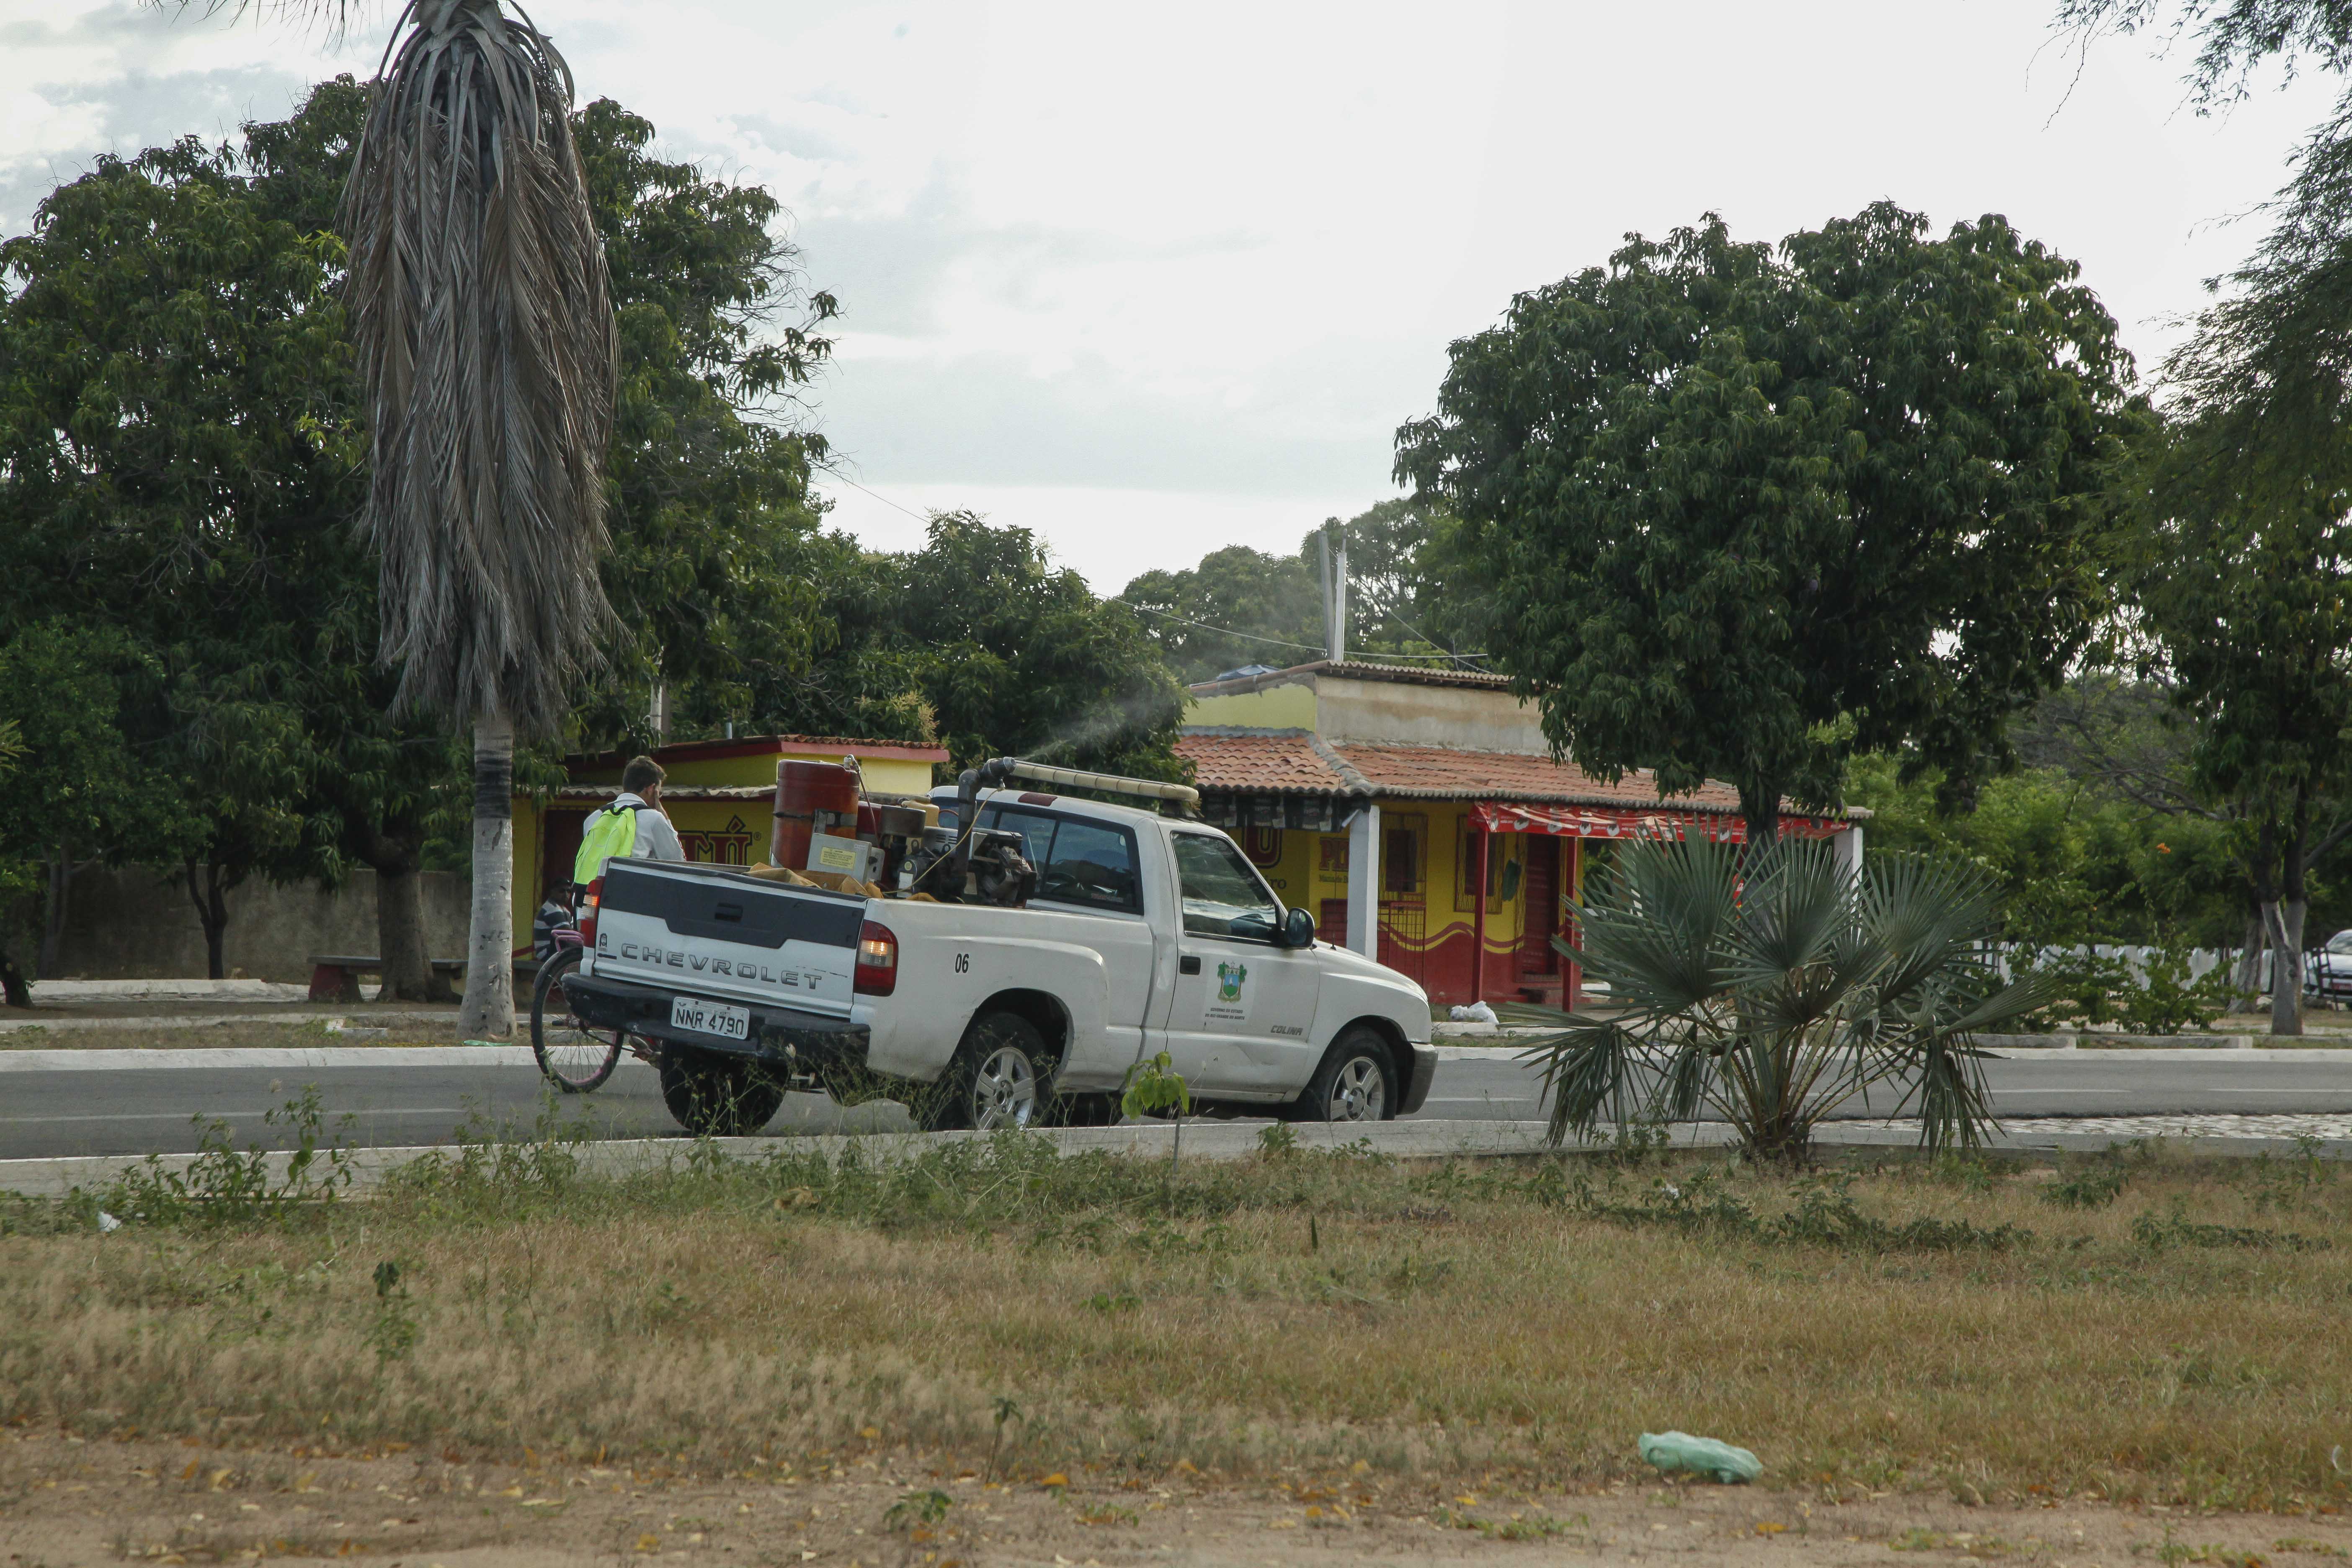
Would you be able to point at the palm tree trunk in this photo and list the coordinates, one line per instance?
(487, 1012)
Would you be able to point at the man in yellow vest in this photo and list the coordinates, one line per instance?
(632, 824)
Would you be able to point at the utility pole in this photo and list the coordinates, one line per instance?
(1332, 549)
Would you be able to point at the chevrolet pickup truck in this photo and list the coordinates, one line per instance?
(1143, 934)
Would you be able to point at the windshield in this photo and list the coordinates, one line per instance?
(2340, 943)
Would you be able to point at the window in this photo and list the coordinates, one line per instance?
(1502, 868)
(1092, 865)
(1333, 927)
(1401, 849)
(1223, 897)
(1036, 830)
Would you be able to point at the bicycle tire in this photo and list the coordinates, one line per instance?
(573, 1057)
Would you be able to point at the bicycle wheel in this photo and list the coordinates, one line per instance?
(575, 1057)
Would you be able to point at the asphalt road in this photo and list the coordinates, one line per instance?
(135, 1112)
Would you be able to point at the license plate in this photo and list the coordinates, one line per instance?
(709, 1017)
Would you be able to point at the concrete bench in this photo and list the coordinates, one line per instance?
(336, 977)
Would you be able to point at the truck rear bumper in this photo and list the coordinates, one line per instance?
(1417, 1080)
(778, 1034)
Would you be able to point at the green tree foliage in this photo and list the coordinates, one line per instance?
(2240, 576)
(979, 640)
(2245, 607)
(1241, 607)
(709, 572)
(173, 433)
(1742, 511)
(81, 792)
(1238, 607)
(2074, 862)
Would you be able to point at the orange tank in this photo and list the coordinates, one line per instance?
(811, 797)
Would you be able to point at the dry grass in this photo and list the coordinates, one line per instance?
(1947, 1326)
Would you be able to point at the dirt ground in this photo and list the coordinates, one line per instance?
(68, 1503)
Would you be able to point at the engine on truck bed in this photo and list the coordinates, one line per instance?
(830, 832)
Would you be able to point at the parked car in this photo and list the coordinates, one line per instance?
(2327, 972)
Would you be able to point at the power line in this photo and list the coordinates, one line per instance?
(1462, 659)
(878, 495)
(1221, 631)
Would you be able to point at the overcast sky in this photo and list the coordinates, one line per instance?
(1152, 280)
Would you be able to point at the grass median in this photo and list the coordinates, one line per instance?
(2132, 1327)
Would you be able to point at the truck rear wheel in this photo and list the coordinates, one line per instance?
(713, 1096)
(1356, 1082)
(1003, 1076)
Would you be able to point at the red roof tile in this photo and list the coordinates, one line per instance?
(1279, 762)
(1441, 772)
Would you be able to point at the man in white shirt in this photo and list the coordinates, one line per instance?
(632, 824)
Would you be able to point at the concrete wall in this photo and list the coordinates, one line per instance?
(1472, 718)
(138, 925)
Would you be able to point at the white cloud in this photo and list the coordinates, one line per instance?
(1109, 536)
(1093, 255)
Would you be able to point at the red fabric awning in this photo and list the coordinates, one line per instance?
(1625, 822)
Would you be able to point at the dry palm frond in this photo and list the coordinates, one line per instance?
(483, 315)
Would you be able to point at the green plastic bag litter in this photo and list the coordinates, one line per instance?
(1681, 1451)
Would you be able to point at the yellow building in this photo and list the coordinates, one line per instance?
(1373, 795)
(720, 795)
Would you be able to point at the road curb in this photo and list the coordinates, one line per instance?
(282, 1056)
(2240, 1055)
(368, 1015)
(1218, 1142)
(623, 1156)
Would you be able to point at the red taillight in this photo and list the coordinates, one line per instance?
(877, 960)
(588, 904)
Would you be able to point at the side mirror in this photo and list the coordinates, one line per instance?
(1298, 928)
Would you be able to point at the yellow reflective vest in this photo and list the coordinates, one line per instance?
(609, 831)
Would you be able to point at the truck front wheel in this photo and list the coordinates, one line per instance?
(713, 1096)
(1356, 1082)
(1002, 1076)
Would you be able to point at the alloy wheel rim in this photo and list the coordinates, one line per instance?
(1359, 1094)
(1004, 1090)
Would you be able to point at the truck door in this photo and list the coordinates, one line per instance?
(1242, 1009)
(1087, 873)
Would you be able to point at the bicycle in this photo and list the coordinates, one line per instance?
(573, 1057)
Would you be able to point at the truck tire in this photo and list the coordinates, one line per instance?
(1357, 1081)
(713, 1096)
(1003, 1076)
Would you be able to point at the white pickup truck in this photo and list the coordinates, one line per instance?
(1143, 934)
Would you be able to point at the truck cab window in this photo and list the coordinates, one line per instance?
(1223, 896)
(1091, 865)
(1036, 830)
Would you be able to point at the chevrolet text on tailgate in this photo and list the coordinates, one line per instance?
(991, 958)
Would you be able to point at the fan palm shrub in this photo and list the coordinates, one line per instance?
(1775, 987)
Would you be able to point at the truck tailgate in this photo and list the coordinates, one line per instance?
(716, 933)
